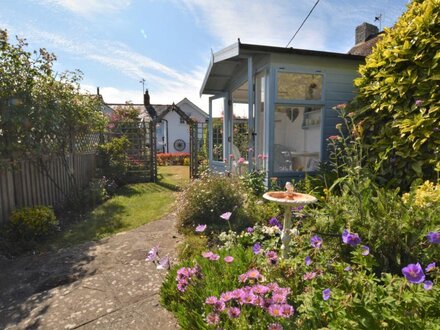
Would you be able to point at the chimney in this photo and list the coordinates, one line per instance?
(146, 98)
(97, 90)
(365, 31)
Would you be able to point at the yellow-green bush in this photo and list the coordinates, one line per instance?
(32, 223)
(399, 97)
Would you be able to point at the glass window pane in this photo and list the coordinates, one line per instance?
(297, 138)
(299, 86)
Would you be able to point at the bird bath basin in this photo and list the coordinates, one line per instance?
(288, 199)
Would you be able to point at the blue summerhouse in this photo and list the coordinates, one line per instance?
(288, 95)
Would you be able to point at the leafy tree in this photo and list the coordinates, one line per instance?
(41, 112)
(399, 97)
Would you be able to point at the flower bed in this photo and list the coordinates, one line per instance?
(177, 158)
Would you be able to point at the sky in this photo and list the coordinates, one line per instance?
(117, 43)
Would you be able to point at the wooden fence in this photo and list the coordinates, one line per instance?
(25, 184)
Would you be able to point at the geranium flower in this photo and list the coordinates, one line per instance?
(427, 285)
(351, 239)
(414, 273)
(212, 318)
(228, 259)
(200, 228)
(316, 241)
(430, 267)
(366, 250)
(234, 312)
(274, 222)
(153, 254)
(226, 216)
(326, 294)
(256, 248)
(433, 237)
(308, 261)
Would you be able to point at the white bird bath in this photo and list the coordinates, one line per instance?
(289, 199)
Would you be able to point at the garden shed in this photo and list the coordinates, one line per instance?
(288, 105)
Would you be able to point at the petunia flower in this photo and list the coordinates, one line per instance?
(351, 239)
(316, 242)
(430, 267)
(427, 285)
(414, 273)
(200, 228)
(226, 216)
(326, 294)
(433, 237)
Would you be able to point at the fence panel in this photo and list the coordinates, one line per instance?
(26, 184)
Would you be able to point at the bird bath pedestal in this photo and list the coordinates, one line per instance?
(289, 199)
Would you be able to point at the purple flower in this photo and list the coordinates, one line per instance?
(366, 250)
(226, 216)
(247, 298)
(260, 289)
(228, 259)
(207, 254)
(326, 294)
(351, 239)
(272, 257)
(164, 263)
(253, 274)
(316, 241)
(212, 318)
(278, 298)
(200, 228)
(419, 103)
(274, 222)
(308, 261)
(414, 273)
(433, 237)
(214, 257)
(256, 248)
(226, 296)
(274, 326)
(219, 306)
(347, 269)
(153, 254)
(427, 285)
(234, 312)
(430, 267)
(249, 230)
(286, 310)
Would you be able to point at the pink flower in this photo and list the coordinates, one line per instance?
(214, 257)
(226, 296)
(234, 312)
(260, 289)
(207, 254)
(226, 216)
(200, 228)
(219, 305)
(164, 263)
(231, 156)
(275, 326)
(287, 310)
(211, 300)
(228, 259)
(275, 310)
(278, 298)
(212, 318)
(419, 103)
(253, 274)
(240, 160)
(309, 276)
(334, 137)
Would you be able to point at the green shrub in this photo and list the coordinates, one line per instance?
(399, 97)
(32, 223)
(205, 199)
(113, 159)
(192, 246)
(254, 182)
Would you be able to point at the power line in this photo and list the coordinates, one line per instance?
(305, 19)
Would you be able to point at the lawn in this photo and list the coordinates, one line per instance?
(133, 205)
(173, 175)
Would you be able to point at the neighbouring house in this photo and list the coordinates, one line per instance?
(172, 128)
(289, 104)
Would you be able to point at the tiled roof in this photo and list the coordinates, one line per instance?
(365, 48)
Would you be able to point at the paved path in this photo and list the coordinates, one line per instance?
(96, 285)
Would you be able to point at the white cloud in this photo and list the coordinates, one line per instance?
(89, 7)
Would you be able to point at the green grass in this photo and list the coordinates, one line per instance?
(177, 176)
(133, 206)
